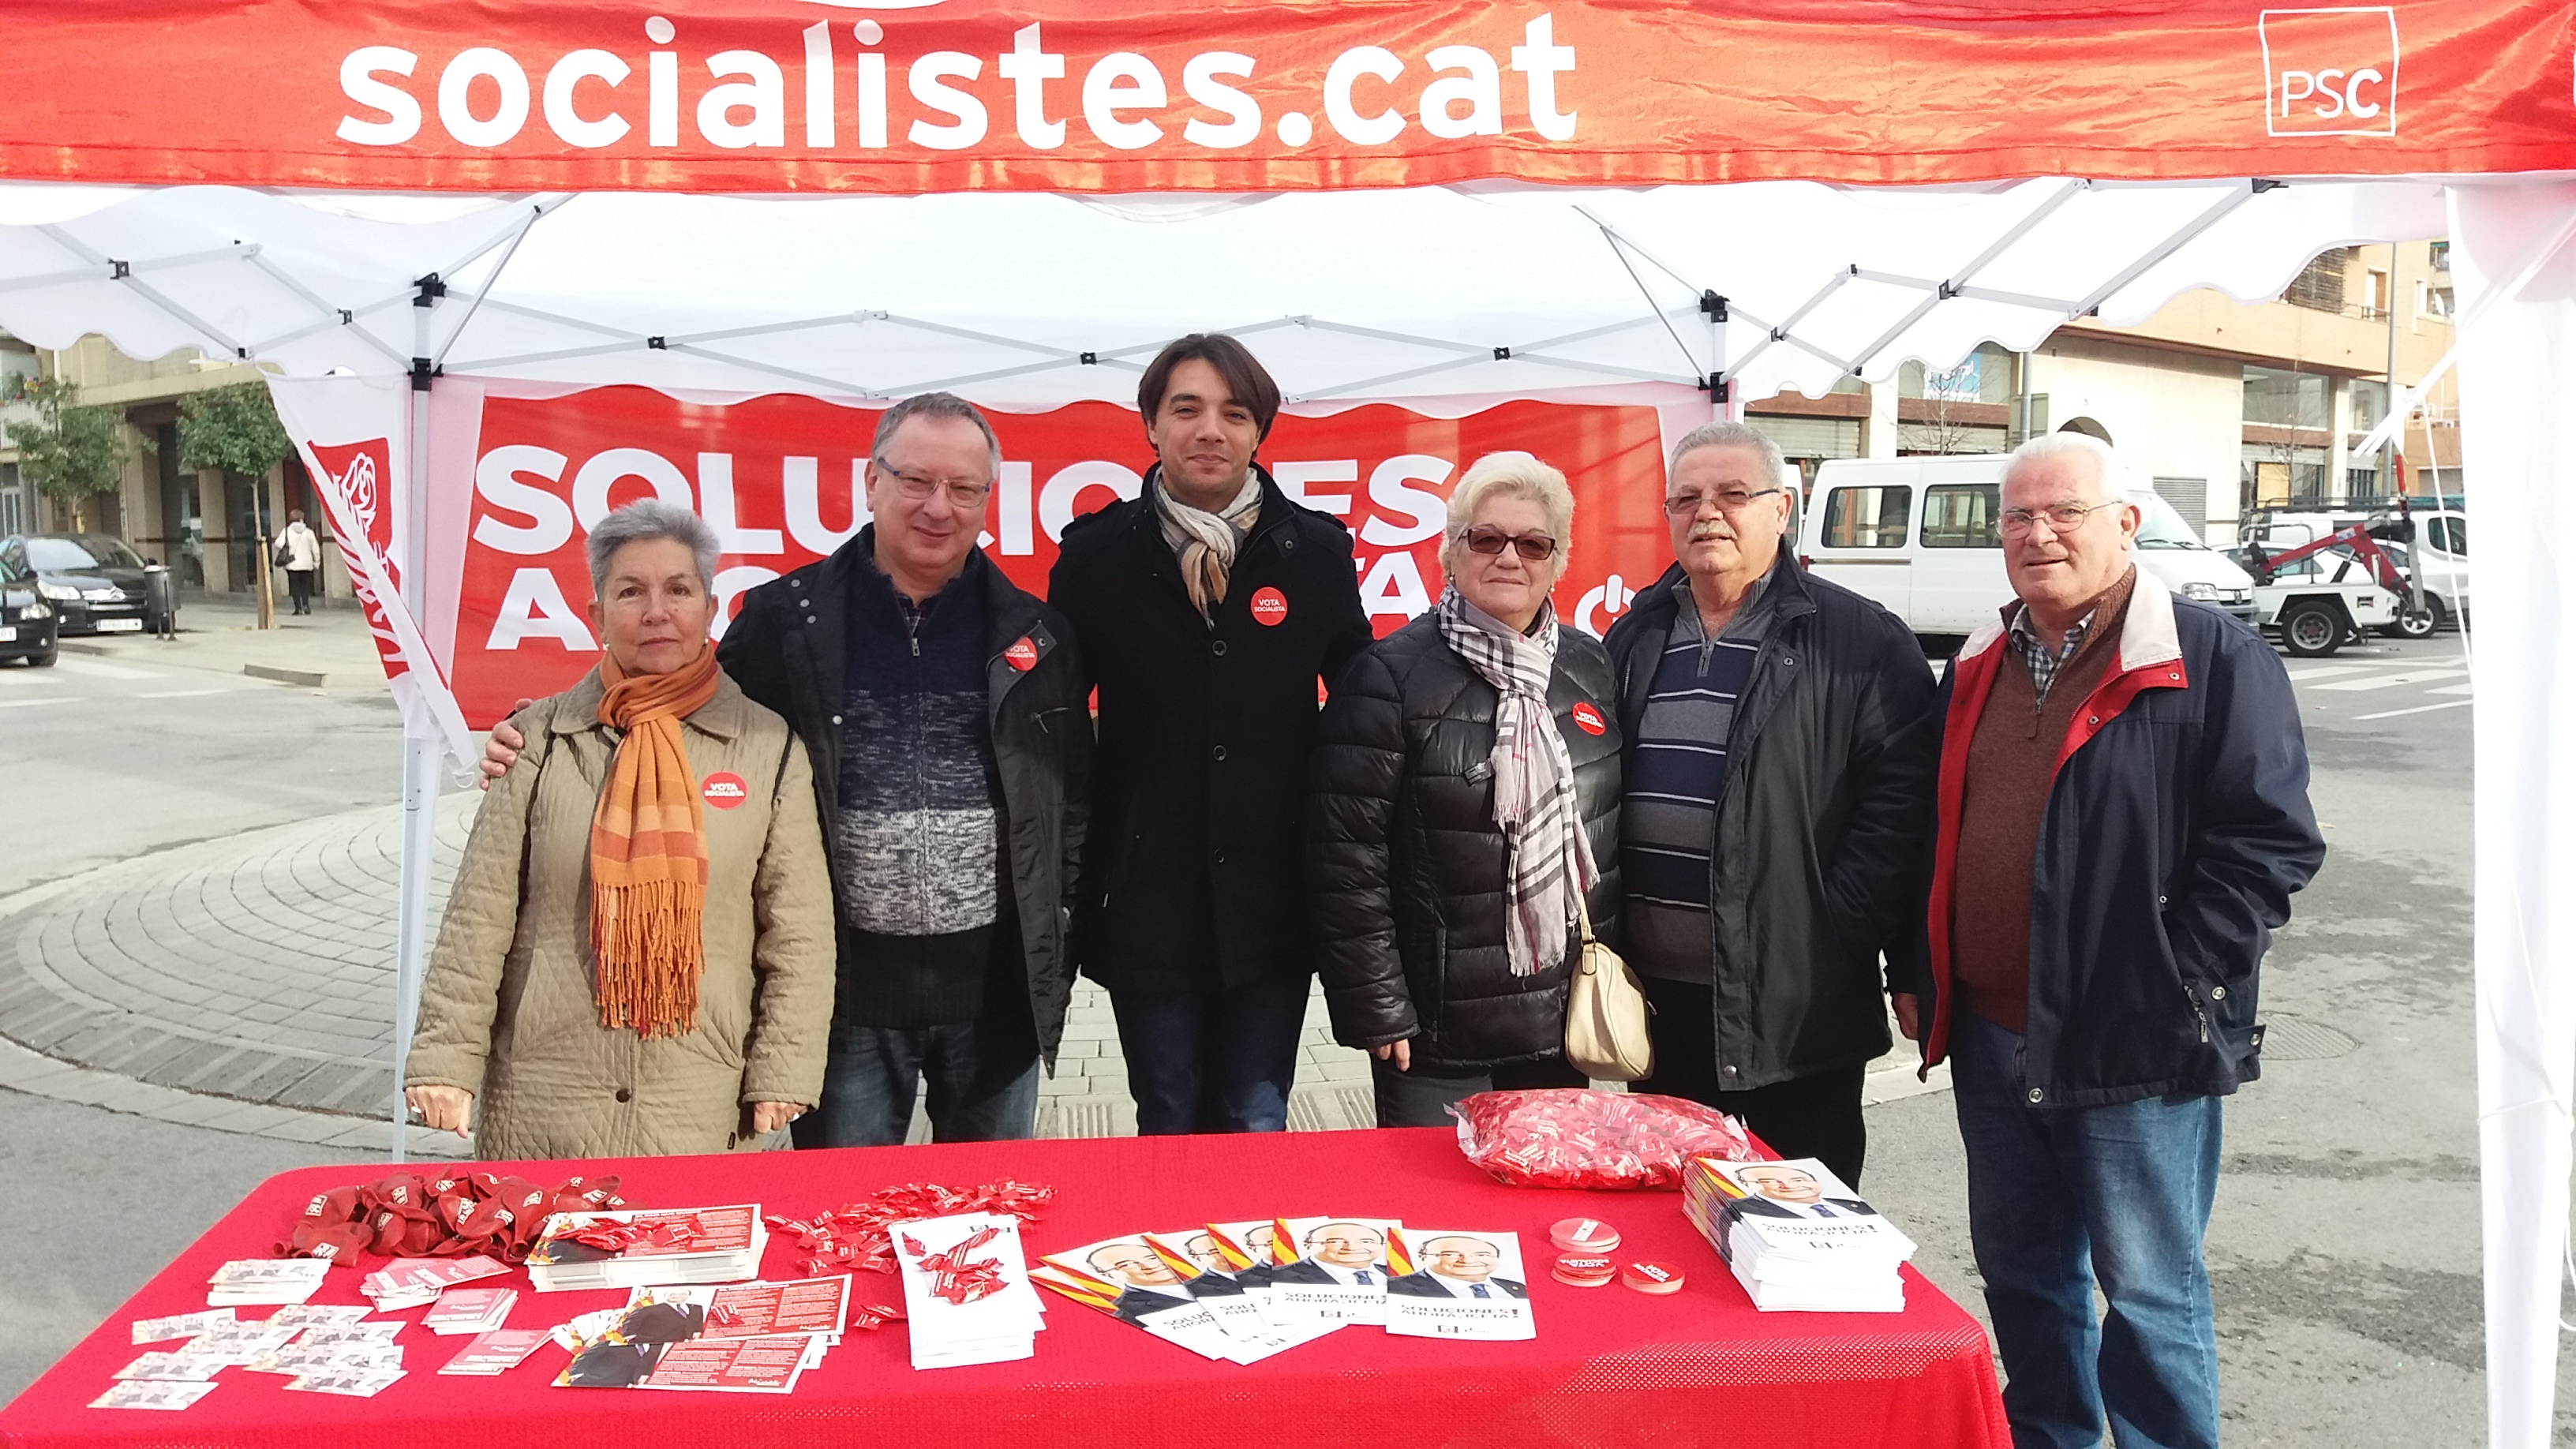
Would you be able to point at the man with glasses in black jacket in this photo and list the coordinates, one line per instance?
(1779, 769)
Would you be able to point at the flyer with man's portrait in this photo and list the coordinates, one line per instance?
(1125, 1278)
(1457, 1284)
(1330, 1270)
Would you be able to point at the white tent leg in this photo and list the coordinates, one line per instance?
(411, 915)
(2518, 410)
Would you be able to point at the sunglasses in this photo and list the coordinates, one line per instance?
(1484, 538)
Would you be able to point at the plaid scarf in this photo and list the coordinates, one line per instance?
(1547, 862)
(648, 852)
(1206, 541)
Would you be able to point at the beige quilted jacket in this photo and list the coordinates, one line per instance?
(506, 1010)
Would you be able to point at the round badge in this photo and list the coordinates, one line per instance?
(1588, 719)
(1269, 606)
(1584, 1235)
(1572, 1280)
(1584, 1271)
(725, 790)
(1023, 654)
(1657, 1278)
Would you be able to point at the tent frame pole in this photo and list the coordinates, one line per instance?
(420, 755)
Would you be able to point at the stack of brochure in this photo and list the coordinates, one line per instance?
(640, 1249)
(411, 1282)
(1240, 1292)
(470, 1310)
(966, 1290)
(744, 1338)
(1796, 1237)
(265, 1280)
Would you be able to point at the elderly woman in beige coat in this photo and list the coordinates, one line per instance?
(637, 958)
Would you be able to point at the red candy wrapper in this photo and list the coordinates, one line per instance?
(857, 1236)
(452, 1216)
(1570, 1137)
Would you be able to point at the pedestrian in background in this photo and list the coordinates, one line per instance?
(2122, 818)
(636, 956)
(299, 552)
(1209, 609)
(1779, 764)
(1465, 800)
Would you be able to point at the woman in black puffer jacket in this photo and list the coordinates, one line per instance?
(1446, 939)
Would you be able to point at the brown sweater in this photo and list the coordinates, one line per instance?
(2012, 762)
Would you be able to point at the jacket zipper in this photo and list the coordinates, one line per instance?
(2197, 1014)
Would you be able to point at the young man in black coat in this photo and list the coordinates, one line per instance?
(1208, 609)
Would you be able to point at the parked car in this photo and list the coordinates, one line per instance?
(1920, 536)
(26, 620)
(95, 583)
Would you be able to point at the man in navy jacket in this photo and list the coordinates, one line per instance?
(2122, 816)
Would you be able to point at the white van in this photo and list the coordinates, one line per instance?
(1919, 535)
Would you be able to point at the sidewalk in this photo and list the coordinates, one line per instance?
(330, 648)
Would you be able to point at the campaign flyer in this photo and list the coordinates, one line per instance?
(764, 1365)
(1456, 1284)
(1241, 1251)
(154, 1394)
(756, 1310)
(967, 1295)
(1330, 1270)
(627, 1347)
(1125, 1278)
(496, 1352)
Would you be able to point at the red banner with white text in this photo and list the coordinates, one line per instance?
(780, 478)
(1282, 95)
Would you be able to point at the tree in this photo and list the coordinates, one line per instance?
(232, 430)
(70, 452)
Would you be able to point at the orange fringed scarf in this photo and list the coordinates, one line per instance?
(648, 853)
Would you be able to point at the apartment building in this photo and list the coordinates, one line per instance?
(2228, 406)
(205, 525)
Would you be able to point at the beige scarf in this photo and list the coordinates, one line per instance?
(1206, 541)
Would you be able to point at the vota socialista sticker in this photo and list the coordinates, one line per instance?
(1269, 606)
(725, 790)
(1023, 654)
(1588, 719)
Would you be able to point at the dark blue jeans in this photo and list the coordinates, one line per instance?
(982, 1077)
(2059, 1198)
(1211, 1061)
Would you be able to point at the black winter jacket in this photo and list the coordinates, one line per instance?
(1404, 864)
(2177, 829)
(1192, 883)
(788, 648)
(1820, 833)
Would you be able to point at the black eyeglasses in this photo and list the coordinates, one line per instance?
(1484, 538)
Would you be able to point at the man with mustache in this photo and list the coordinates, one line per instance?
(1778, 778)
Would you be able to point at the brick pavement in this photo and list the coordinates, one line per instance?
(246, 983)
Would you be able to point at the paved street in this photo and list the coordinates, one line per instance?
(195, 989)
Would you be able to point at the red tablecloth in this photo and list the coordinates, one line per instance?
(1610, 1367)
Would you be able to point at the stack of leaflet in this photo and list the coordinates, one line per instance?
(966, 1290)
(748, 1338)
(265, 1280)
(470, 1310)
(411, 1282)
(1796, 1237)
(642, 1249)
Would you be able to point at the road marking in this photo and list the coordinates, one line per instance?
(2301, 676)
(49, 699)
(107, 671)
(2392, 681)
(2419, 709)
(2453, 689)
(183, 693)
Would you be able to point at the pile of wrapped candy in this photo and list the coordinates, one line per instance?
(1571, 1137)
(857, 1236)
(450, 1215)
(954, 1275)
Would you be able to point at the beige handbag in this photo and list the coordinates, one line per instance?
(1605, 1013)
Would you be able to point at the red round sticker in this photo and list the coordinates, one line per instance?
(1588, 719)
(725, 790)
(1022, 654)
(1269, 606)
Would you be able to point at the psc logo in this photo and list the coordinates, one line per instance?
(2329, 72)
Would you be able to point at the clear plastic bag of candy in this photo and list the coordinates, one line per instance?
(1570, 1137)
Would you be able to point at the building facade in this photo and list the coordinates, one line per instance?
(207, 526)
(2227, 406)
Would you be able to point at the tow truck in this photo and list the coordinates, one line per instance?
(2320, 595)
